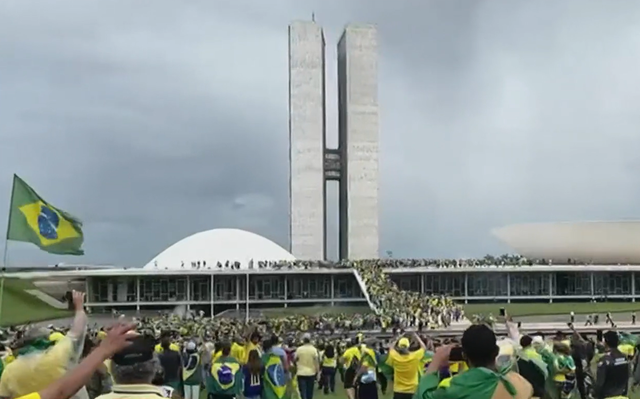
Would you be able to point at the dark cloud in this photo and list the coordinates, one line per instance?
(152, 120)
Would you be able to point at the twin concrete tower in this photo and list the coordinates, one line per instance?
(354, 164)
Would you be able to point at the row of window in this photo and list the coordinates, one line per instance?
(345, 286)
(520, 284)
(224, 288)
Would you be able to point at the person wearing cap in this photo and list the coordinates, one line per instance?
(133, 369)
(612, 377)
(406, 366)
(307, 361)
(482, 380)
(191, 371)
(40, 361)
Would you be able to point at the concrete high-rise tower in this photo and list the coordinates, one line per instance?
(358, 131)
(355, 163)
(307, 229)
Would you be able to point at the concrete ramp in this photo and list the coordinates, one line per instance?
(48, 299)
(365, 290)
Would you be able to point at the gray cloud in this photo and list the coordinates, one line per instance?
(152, 120)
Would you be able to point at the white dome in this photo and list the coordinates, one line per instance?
(219, 245)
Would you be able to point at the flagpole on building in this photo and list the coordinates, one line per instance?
(5, 254)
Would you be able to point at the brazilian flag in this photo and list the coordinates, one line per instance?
(225, 378)
(34, 220)
(274, 378)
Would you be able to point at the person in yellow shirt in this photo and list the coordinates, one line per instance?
(405, 362)
(237, 350)
(307, 365)
(172, 346)
(329, 364)
(39, 361)
(253, 343)
(366, 378)
(350, 360)
(117, 339)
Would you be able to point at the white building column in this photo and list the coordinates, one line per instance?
(138, 294)
(213, 293)
(87, 292)
(333, 290)
(237, 292)
(466, 288)
(110, 290)
(188, 293)
(286, 290)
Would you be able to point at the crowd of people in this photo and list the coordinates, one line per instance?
(507, 260)
(171, 356)
(395, 306)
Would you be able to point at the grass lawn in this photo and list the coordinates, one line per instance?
(539, 309)
(19, 307)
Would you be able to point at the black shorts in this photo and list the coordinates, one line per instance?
(367, 391)
(349, 376)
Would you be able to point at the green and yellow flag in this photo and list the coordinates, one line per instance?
(275, 379)
(34, 220)
(225, 378)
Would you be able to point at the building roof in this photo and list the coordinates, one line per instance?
(595, 242)
(219, 245)
(133, 272)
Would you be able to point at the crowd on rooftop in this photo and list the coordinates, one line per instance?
(489, 261)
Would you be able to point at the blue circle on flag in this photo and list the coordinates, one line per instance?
(48, 222)
(276, 374)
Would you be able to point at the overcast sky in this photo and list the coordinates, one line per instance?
(155, 119)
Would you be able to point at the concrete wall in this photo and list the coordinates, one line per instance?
(306, 140)
(358, 131)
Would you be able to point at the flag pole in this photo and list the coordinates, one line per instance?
(5, 254)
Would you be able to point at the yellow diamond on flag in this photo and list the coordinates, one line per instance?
(48, 224)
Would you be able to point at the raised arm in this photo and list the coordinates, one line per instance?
(63, 388)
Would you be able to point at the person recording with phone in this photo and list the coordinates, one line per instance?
(483, 379)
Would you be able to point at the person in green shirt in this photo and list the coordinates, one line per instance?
(483, 380)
